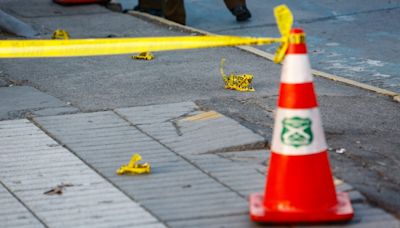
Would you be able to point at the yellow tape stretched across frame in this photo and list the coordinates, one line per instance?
(117, 46)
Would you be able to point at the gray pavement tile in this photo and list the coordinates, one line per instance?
(154, 114)
(198, 134)
(185, 189)
(187, 131)
(235, 221)
(13, 213)
(174, 190)
(356, 196)
(55, 111)
(365, 216)
(91, 201)
(3, 82)
(17, 101)
(344, 187)
(242, 178)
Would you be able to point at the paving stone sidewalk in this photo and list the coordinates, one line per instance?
(32, 163)
(204, 165)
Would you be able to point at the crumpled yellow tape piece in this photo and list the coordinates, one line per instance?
(134, 167)
(60, 34)
(241, 82)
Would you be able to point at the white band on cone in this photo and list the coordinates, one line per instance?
(296, 69)
(298, 132)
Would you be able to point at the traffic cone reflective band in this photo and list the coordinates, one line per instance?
(299, 185)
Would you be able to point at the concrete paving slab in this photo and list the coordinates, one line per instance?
(242, 178)
(55, 111)
(217, 183)
(18, 101)
(91, 201)
(15, 214)
(3, 83)
(366, 216)
(157, 114)
(192, 132)
(176, 189)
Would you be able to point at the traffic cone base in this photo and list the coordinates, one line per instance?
(342, 211)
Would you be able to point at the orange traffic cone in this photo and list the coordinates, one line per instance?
(300, 186)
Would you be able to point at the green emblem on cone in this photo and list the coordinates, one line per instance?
(296, 131)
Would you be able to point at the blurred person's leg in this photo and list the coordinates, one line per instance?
(239, 9)
(174, 10)
(153, 7)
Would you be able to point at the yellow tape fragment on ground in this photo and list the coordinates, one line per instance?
(240, 82)
(94, 47)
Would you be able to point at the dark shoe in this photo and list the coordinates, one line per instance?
(241, 12)
(155, 12)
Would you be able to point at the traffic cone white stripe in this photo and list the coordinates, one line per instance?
(296, 69)
(295, 136)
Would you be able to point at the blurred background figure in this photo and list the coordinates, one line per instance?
(153, 7)
(174, 10)
(239, 9)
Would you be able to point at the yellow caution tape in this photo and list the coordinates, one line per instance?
(94, 47)
(116, 46)
(284, 20)
(134, 167)
(60, 34)
(144, 56)
(240, 82)
(297, 38)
